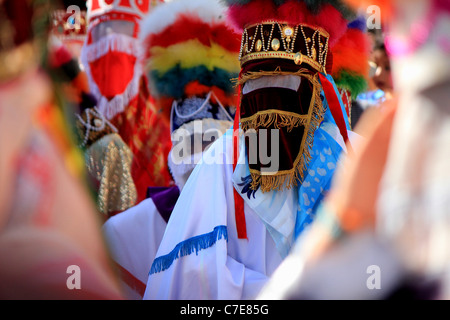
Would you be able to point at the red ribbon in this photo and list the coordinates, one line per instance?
(335, 108)
(238, 200)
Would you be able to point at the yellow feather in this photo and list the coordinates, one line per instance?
(191, 54)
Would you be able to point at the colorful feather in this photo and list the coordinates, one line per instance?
(350, 59)
(331, 15)
(190, 50)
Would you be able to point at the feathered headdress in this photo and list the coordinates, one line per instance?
(295, 37)
(191, 55)
(331, 15)
(190, 51)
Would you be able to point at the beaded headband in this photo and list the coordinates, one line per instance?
(274, 39)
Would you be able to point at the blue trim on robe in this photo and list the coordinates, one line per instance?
(188, 246)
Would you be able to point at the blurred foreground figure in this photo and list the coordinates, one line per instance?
(51, 246)
(112, 58)
(384, 232)
(189, 73)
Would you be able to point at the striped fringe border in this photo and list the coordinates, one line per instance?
(187, 247)
(123, 44)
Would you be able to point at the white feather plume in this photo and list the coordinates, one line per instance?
(167, 13)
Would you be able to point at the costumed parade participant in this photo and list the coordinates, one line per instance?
(191, 57)
(48, 224)
(240, 211)
(112, 59)
(108, 158)
(383, 232)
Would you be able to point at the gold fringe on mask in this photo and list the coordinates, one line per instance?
(279, 119)
(292, 177)
(277, 72)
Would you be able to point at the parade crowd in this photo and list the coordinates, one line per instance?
(224, 149)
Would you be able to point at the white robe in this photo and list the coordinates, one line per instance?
(200, 256)
(133, 237)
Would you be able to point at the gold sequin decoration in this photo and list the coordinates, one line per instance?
(109, 161)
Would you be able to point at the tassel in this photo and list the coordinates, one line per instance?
(279, 119)
(252, 75)
(188, 247)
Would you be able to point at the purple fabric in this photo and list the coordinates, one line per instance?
(164, 199)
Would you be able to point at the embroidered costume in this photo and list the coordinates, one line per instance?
(261, 182)
(108, 161)
(191, 56)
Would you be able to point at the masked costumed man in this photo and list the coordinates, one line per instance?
(108, 158)
(383, 232)
(112, 60)
(51, 245)
(240, 212)
(191, 57)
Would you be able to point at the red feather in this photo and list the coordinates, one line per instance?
(293, 12)
(254, 12)
(189, 27)
(351, 53)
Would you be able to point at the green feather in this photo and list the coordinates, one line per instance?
(353, 82)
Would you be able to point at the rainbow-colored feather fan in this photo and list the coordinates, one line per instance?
(190, 51)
